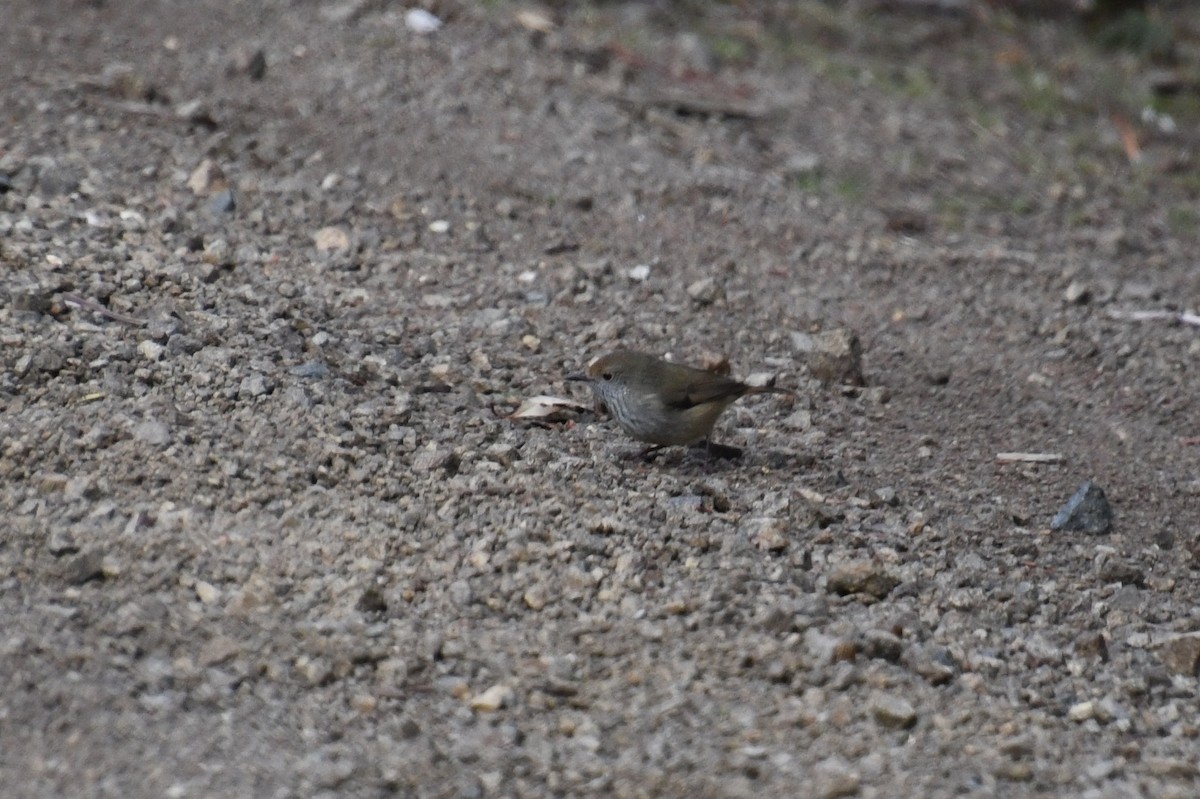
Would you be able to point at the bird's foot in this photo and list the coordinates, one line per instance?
(720, 451)
(646, 454)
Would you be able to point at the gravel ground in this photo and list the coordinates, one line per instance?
(274, 275)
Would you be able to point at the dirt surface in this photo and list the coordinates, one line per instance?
(268, 533)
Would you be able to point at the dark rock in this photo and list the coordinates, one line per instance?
(1114, 571)
(85, 567)
(1087, 511)
(372, 601)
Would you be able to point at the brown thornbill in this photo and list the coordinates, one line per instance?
(663, 403)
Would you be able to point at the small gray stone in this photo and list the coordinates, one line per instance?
(705, 291)
(53, 178)
(223, 202)
(861, 577)
(686, 502)
(882, 645)
(836, 357)
(85, 566)
(894, 712)
(460, 593)
(62, 542)
(833, 778)
(152, 432)
(432, 459)
(183, 344)
(885, 495)
(255, 385)
(1181, 654)
(1087, 511)
(799, 166)
(162, 328)
(802, 342)
(937, 667)
(504, 454)
(1077, 293)
(310, 369)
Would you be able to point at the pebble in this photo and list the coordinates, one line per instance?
(799, 420)
(704, 291)
(836, 357)
(206, 592)
(110, 567)
(62, 542)
(885, 496)
(1119, 571)
(833, 778)
(85, 567)
(801, 166)
(1087, 511)
(223, 202)
(206, 179)
(152, 432)
(535, 597)
(882, 645)
(432, 458)
(1014, 771)
(150, 350)
(309, 370)
(861, 577)
(893, 712)
(421, 22)
(331, 239)
(161, 328)
(802, 342)
(493, 698)
(767, 534)
(1077, 293)
(639, 273)
(1181, 654)
(692, 502)
(933, 668)
(251, 63)
(371, 600)
(255, 385)
(219, 649)
(53, 483)
(1082, 711)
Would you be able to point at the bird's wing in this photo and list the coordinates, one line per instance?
(700, 388)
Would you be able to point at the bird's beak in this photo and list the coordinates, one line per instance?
(578, 377)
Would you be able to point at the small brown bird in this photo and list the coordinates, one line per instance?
(663, 403)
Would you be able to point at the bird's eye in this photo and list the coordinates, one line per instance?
(607, 375)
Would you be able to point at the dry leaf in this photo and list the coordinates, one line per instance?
(547, 408)
(1129, 139)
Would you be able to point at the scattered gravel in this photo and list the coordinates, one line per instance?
(276, 276)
